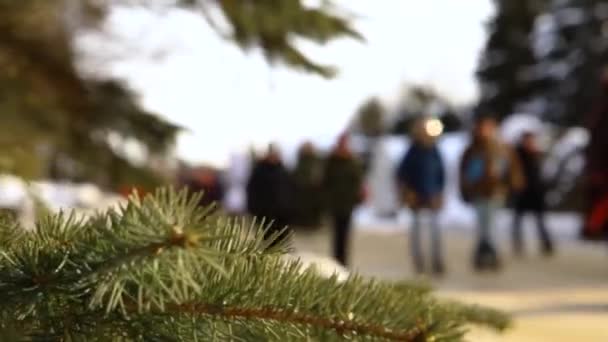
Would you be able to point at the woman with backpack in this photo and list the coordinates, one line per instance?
(489, 171)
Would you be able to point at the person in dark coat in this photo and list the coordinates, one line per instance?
(269, 194)
(421, 178)
(342, 183)
(307, 179)
(595, 226)
(531, 199)
(206, 181)
(489, 172)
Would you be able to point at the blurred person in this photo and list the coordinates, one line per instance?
(207, 182)
(343, 177)
(269, 194)
(421, 178)
(596, 169)
(489, 170)
(307, 179)
(531, 198)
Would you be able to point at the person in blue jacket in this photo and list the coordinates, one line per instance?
(421, 177)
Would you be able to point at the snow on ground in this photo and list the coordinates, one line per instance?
(20, 195)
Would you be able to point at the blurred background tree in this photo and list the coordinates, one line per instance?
(571, 53)
(548, 58)
(370, 118)
(63, 123)
(507, 61)
(423, 100)
(544, 57)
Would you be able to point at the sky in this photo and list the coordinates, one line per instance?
(229, 99)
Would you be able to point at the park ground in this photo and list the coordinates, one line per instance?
(559, 299)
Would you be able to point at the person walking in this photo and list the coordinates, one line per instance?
(595, 174)
(489, 170)
(531, 199)
(343, 177)
(207, 181)
(269, 195)
(421, 178)
(307, 179)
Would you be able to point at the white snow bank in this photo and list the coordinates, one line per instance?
(324, 266)
(21, 196)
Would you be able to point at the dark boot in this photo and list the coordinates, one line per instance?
(486, 258)
(438, 269)
(518, 248)
(419, 268)
(545, 238)
(547, 250)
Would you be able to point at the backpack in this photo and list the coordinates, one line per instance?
(474, 169)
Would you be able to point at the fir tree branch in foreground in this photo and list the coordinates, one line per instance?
(162, 269)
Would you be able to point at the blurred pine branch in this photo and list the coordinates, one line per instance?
(53, 111)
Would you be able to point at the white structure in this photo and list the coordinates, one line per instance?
(235, 182)
(383, 192)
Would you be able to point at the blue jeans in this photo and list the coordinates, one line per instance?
(415, 244)
(485, 210)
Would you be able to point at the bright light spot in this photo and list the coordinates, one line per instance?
(433, 127)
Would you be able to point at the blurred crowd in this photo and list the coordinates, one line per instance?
(492, 175)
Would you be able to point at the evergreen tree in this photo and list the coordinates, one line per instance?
(567, 84)
(51, 108)
(370, 118)
(162, 268)
(570, 90)
(419, 100)
(505, 69)
(571, 60)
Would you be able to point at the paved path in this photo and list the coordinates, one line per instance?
(564, 298)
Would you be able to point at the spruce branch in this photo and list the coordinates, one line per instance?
(162, 269)
(279, 315)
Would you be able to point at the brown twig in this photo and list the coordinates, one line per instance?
(341, 327)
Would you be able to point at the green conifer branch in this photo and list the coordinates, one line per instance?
(162, 269)
(340, 327)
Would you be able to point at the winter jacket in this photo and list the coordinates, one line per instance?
(342, 183)
(421, 171)
(209, 184)
(269, 192)
(489, 170)
(532, 195)
(308, 197)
